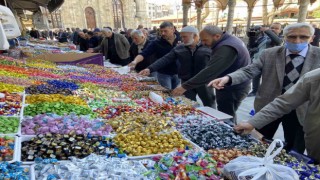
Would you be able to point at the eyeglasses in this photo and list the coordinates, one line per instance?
(300, 37)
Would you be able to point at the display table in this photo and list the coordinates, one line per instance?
(73, 58)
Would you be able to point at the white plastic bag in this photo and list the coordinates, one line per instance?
(4, 44)
(156, 98)
(9, 23)
(255, 168)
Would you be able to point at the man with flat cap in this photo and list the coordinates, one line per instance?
(191, 57)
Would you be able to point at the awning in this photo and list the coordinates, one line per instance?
(33, 5)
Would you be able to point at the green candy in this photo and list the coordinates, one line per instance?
(59, 108)
(9, 125)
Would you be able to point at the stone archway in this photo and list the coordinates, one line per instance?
(90, 18)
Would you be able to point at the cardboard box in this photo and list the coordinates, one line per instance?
(73, 58)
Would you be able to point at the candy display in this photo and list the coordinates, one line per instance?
(91, 167)
(10, 87)
(306, 170)
(101, 120)
(9, 125)
(46, 89)
(33, 99)
(191, 165)
(226, 155)
(216, 135)
(141, 122)
(56, 107)
(14, 171)
(63, 146)
(141, 143)
(63, 84)
(7, 145)
(51, 123)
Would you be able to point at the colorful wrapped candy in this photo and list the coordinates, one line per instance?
(7, 148)
(183, 164)
(40, 98)
(51, 123)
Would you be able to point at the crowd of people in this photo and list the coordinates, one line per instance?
(281, 62)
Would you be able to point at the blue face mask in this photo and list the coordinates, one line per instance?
(296, 47)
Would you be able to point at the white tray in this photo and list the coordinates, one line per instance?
(16, 148)
(214, 113)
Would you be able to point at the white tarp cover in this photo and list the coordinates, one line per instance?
(9, 23)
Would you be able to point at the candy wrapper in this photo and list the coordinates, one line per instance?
(184, 164)
(91, 167)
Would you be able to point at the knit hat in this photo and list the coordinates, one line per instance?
(190, 29)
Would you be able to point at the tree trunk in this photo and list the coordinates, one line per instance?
(231, 6)
(199, 11)
(265, 12)
(185, 9)
(250, 10)
(303, 10)
(217, 17)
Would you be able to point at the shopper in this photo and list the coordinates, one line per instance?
(115, 47)
(62, 36)
(306, 90)
(34, 33)
(82, 41)
(98, 34)
(140, 41)
(93, 41)
(167, 76)
(271, 38)
(229, 54)
(316, 35)
(192, 57)
(281, 68)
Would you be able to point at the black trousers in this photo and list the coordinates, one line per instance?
(292, 129)
(228, 101)
(206, 94)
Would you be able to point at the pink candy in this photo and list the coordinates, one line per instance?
(42, 124)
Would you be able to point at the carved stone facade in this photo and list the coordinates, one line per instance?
(101, 13)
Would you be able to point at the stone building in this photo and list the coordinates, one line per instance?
(101, 13)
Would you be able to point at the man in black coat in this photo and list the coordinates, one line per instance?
(140, 41)
(316, 37)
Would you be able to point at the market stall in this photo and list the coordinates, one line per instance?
(92, 122)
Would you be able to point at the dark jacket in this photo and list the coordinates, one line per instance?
(228, 55)
(83, 43)
(316, 38)
(189, 63)
(63, 37)
(93, 42)
(146, 62)
(35, 34)
(160, 47)
(121, 43)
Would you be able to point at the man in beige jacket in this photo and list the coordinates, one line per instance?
(281, 67)
(306, 90)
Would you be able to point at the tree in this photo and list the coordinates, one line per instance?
(231, 6)
(303, 10)
(265, 12)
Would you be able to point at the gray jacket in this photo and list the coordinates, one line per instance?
(121, 43)
(271, 65)
(305, 91)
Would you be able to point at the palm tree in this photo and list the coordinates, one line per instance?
(231, 6)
